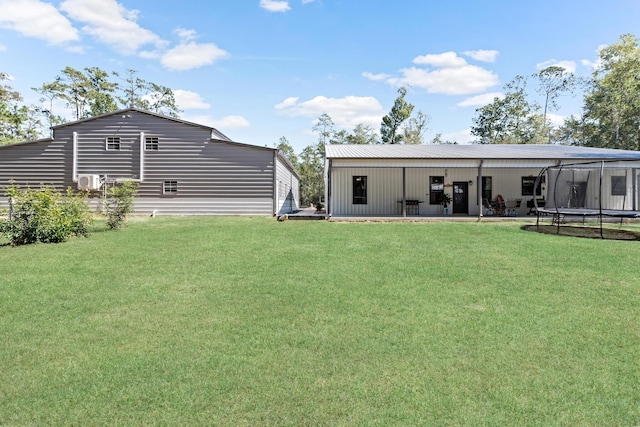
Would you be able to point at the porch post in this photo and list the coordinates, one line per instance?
(480, 191)
(634, 189)
(404, 192)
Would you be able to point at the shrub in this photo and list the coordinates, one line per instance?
(44, 215)
(118, 203)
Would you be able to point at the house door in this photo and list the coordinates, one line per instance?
(461, 197)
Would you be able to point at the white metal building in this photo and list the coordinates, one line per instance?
(405, 180)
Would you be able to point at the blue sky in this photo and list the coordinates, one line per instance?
(261, 69)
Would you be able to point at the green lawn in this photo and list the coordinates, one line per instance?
(248, 322)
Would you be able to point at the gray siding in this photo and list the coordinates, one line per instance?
(213, 176)
(40, 162)
(287, 188)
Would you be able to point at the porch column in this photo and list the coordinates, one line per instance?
(480, 190)
(404, 192)
(634, 188)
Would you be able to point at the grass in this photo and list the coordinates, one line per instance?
(247, 321)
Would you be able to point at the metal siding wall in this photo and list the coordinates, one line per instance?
(287, 183)
(46, 162)
(213, 177)
(384, 188)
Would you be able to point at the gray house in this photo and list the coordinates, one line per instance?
(403, 180)
(182, 167)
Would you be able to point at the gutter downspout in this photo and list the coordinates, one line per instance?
(480, 190)
(327, 189)
(274, 183)
(142, 142)
(74, 171)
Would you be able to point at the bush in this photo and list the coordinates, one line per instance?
(44, 215)
(118, 203)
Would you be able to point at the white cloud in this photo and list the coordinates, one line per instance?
(110, 23)
(441, 60)
(569, 66)
(190, 55)
(375, 77)
(445, 73)
(274, 5)
(555, 119)
(461, 137)
(482, 55)
(345, 112)
(480, 100)
(223, 124)
(231, 122)
(2, 48)
(450, 81)
(187, 100)
(307, 1)
(34, 18)
(289, 102)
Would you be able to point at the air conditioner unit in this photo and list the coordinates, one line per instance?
(89, 182)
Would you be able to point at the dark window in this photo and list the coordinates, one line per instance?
(618, 186)
(151, 143)
(359, 190)
(113, 143)
(528, 182)
(170, 187)
(436, 189)
(487, 191)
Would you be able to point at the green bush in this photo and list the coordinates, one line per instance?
(118, 203)
(44, 215)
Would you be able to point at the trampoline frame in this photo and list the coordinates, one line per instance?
(560, 212)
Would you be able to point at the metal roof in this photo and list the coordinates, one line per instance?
(477, 151)
(215, 133)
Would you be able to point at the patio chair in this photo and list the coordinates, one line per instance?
(487, 209)
(512, 207)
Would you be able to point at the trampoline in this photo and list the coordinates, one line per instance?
(603, 189)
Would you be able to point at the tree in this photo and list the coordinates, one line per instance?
(401, 110)
(17, 122)
(361, 134)
(415, 128)
(554, 81)
(612, 102)
(288, 151)
(49, 92)
(311, 171)
(325, 129)
(148, 96)
(509, 120)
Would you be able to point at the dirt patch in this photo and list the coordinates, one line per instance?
(585, 232)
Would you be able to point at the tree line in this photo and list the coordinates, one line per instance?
(83, 93)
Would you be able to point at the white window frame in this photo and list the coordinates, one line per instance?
(151, 143)
(112, 143)
(170, 187)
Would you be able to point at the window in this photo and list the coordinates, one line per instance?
(487, 191)
(151, 143)
(436, 189)
(528, 182)
(618, 186)
(113, 143)
(359, 190)
(170, 187)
